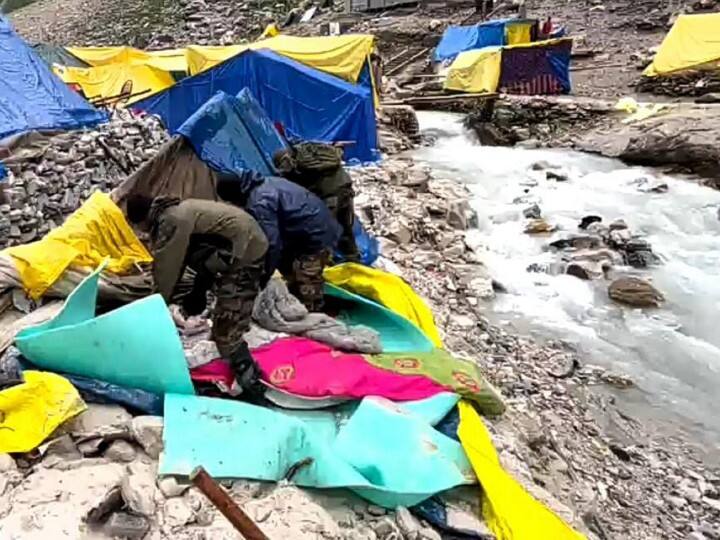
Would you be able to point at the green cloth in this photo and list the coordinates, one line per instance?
(462, 376)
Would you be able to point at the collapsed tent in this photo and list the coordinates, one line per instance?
(126, 82)
(542, 67)
(458, 39)
(310, 104)
(692, 43)
(32, 97)
(233, 134)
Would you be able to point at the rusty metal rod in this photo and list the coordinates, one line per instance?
(223, 502)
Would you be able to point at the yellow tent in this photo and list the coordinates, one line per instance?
(113, 80)
(692, 43)
(475, 71)
(166, 60)
(342, 56)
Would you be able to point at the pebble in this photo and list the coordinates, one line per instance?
(7, 463)
(121, 451)
(147, 431)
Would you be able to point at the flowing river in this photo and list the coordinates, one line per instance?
(671, 353)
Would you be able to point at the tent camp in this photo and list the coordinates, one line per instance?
(310, 104)
(692, 43)
(33, 98)
(146, 72)
(458, 39)
(541, 67)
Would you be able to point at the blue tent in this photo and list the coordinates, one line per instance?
(311, 105)
(32, 97)
(232, 134)
(457, 39)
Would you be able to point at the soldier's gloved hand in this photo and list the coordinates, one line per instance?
(247, 374)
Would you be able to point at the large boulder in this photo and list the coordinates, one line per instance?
(635, 292)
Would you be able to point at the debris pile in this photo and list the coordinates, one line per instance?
(50, 176)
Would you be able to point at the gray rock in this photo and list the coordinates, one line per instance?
(7, 463)
(558, 176)
(533, 212)
(98, 416)
(170, 487)
(461, 216)
(635, 292)
(121, 451)
(147, 431)
(385, 528)
(429, 534)
(375, 510)
(399, 233)
(124, 525)
(138, 490)
(407, 523)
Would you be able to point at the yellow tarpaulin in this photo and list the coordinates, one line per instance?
(113, 80)
(386, 289)
(166, 60)
(476, 71)
(510, 512)
(692, 43)
(342, 56)
(95, 231)
(518, 32)
(31, 411)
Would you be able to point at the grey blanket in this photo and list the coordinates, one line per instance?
(278, 310)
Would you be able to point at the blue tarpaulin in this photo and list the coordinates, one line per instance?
(32, 97)
(232, 134)
(457, 39)
(310, 104)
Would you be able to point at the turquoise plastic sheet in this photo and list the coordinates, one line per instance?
(387, 453)
(397, 334)
(136, 346)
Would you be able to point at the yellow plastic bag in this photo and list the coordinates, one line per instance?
(510, 511)
(31, 411)
(95, 231)
(386, 289)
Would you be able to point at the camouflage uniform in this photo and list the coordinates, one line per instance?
(225, 247)
(318, 168)
(304, 276)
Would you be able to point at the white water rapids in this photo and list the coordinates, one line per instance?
(671, 353)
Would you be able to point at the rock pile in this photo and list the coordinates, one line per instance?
(536, 121)
(51, 176)
(689, 83)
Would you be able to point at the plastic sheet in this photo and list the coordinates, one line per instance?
(32, 97)
(232, 134)
(510, 511)
(310, 104)
(366, 243)
(457, 39)
(93, 233)
(388, 454)
(135, 346)
(31, 411)
(388, 290)
(397, 334)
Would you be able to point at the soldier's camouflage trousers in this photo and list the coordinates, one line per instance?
(304, 277)
(235, 292)
(343, 210)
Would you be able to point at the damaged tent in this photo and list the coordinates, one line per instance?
(310, 104)
(692, 43)
(33, 97)
(541, 67)
(458, 39)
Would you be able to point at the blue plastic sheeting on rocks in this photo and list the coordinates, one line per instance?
(366, 243)
(3, 172)
(32, 97)
(386, 453)
(310, 104)
(135, 400)
(457, 39)
(135, 346)
(232, 134)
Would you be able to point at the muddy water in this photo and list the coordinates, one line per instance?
(672, 353)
